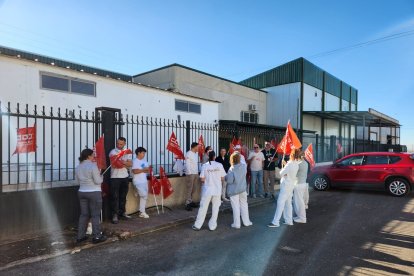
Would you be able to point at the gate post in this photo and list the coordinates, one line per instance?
(108, 125)
(187, 135)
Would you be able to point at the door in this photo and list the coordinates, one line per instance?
(347, 171)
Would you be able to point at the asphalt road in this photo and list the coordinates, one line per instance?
(348, 233)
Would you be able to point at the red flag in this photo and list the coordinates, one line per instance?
(26, 140)
(339, 148)
(167, 188)
(309, 156)
(273, 143)
(116, 161)
(99, 151)
(174, 147)
(201, 147)
(234, 145)
(154, 184)
(290, 141)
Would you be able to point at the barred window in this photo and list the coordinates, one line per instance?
(249, 117)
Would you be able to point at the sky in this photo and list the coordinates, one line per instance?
(231, 39)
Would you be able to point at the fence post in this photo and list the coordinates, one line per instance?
(108, 125)
(187, 135)
(1, 149)
(316, 148)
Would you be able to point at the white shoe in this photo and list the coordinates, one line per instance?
(271, 225)
(248, 224)
(288, 223)
(143, 215)
(234, 226)
(299, 221)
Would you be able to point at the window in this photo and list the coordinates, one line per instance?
(352, 161)
(377, 160)
(187, 106)
(249, 117)
(67, 84)
(394, 159)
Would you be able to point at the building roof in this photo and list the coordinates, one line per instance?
(371, 117)
(200, 72)
(50, 61)
(299, 70)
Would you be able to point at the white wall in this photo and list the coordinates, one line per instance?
(282, 104)
(312, 123)
(345, 105)
(331, 102)
(20, 83)
(233, 97)
(331, 128)
(353, 107)
(312, 98)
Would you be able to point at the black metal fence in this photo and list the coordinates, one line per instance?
(62, 134)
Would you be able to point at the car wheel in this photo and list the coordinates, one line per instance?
(320, 183)
(398, 187)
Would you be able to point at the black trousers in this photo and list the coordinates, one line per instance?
(119, 191)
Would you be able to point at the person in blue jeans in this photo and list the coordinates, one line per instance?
(256, 159)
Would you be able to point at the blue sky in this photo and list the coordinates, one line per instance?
(231, 39)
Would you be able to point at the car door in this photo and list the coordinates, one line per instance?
(374, 170)
(346, 171)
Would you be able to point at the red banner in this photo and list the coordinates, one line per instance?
(174, 147)
(154, 184)
(309, 156)
(235, 145)
(26, 140)
(100, 156)
(116, 161)
(273, 143)
(290, 141)
(201, 147)
(167, 188)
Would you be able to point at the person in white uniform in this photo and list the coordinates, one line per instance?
(212, 174)
(287, 184)
(140, 168)
(300, 190)
(236, 189)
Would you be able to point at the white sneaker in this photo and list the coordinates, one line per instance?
(143, 215)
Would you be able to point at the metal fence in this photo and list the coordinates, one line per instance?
(61, 135)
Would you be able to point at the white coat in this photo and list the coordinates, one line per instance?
(299, 193)
(284, 201)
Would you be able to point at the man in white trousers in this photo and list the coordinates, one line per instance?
(212, 174)
(287, 184)
(300, 190)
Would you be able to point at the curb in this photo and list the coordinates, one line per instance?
(119, 236)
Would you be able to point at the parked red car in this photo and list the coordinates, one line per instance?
(393, 172)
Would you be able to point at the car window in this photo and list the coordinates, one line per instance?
(394, 159)
(352, 161)
(377, 160)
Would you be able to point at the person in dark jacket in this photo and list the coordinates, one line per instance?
(224, 160)
(269, 177)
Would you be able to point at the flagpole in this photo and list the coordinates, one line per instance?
(162, 199)
(155, 199)
(106, 169)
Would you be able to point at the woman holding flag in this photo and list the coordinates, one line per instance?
(300, 190)
(287, 184)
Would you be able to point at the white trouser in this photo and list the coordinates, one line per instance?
(223, 189)
(202, 211)
(298, 201)
(306, 196)
(142, 188)
(240, 207)
(284, 203)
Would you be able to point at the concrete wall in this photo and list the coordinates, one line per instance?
(312, 123)
(282, 104)
(233, 97)
(332, 102)
(20, 83)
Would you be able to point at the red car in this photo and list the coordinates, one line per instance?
(393, 172)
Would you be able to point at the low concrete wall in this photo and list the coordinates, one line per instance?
(177, 199)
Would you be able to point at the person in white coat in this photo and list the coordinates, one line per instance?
(212, 174)
(140, 169)
(300, 190)
(287, 184)
(236, 189)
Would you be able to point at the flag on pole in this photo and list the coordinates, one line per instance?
(201, 147)
(289, 142)
(273, 143)
(309, 156)
(99, 151)
(116, 161)
(26, 140)
(234, 145)
(174, 147)
(154, 183)
(167, 188)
